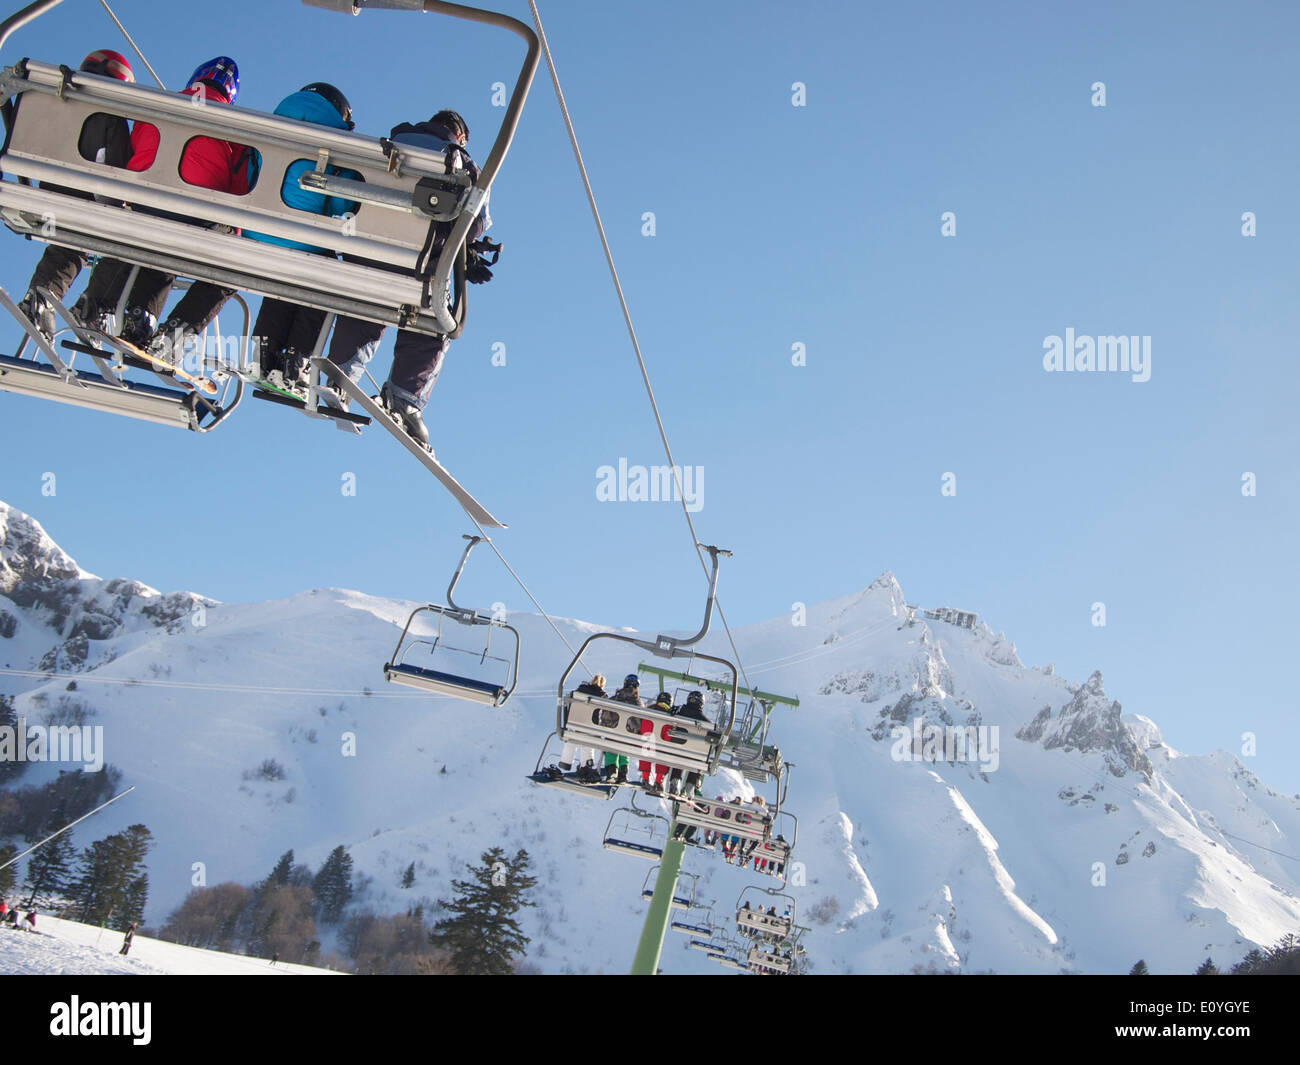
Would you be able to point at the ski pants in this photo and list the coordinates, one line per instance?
(283, 326)
(57, 270)
(575, 756)
(417, 358)
(195, 311)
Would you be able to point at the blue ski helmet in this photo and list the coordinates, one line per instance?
(631, 681)
(221, 73)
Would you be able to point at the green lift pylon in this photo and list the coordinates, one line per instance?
(646, 962)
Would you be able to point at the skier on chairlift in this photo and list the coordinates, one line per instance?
(417, 357)
(207, 163)
(103, 139)
(584, 757)
(694, 709)
(287, 333)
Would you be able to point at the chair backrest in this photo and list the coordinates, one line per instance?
(394, 233)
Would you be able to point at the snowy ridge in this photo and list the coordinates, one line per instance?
(1087, 845)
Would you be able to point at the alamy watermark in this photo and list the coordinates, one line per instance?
(53, 743)
(651, 484)
(1087, 354)
(948, 743)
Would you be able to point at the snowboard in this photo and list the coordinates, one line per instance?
(140, 357)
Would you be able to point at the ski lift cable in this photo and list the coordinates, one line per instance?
(134, 47)
(242, 689)
(627, 317)
(520, 581)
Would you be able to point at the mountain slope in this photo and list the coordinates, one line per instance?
(957, 810)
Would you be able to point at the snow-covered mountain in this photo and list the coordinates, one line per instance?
(957, 810)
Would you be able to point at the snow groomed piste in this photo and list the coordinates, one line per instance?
(402, 260)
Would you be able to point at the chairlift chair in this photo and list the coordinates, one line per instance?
(775, 851)
(769, 961)
(704, 925)
(456, 684)
(548, 774)
(747, 748)
(680, 902)
(756, 923)
(637, 832)
(91, 375)
(744, 820)
(408, 197)
(615, 727)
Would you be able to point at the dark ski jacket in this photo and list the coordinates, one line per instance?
(436, 137)
(628, 695)
(105, 139)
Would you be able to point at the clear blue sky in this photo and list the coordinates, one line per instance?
(779, 225)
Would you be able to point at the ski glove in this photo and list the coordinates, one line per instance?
(477, 262)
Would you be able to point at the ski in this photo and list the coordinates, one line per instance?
(380, 416)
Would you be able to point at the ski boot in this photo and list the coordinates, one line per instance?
(139, 327)
(171, 341)
(93, 316)
(40, 312)
(407, 414)
(295, 370)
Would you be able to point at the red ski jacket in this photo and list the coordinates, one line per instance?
(206, 161)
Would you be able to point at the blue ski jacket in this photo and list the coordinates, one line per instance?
(309, 107)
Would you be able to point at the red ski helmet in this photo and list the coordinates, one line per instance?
(109, 63)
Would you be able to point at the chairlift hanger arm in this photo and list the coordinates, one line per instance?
(460, 613)
(26, 15)
(505, 135)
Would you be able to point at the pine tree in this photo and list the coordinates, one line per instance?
(1140, 969)
(50, 868)
(333, 885)
(1207, 968)
(9, 767)
(408, 877)
(281, 873)
(109, 867)
(9, 872)
(483, 937)
(134, 902)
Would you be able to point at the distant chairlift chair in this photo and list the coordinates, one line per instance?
(442, 682)
(617, 728)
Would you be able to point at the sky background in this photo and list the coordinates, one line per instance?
(778, 225)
